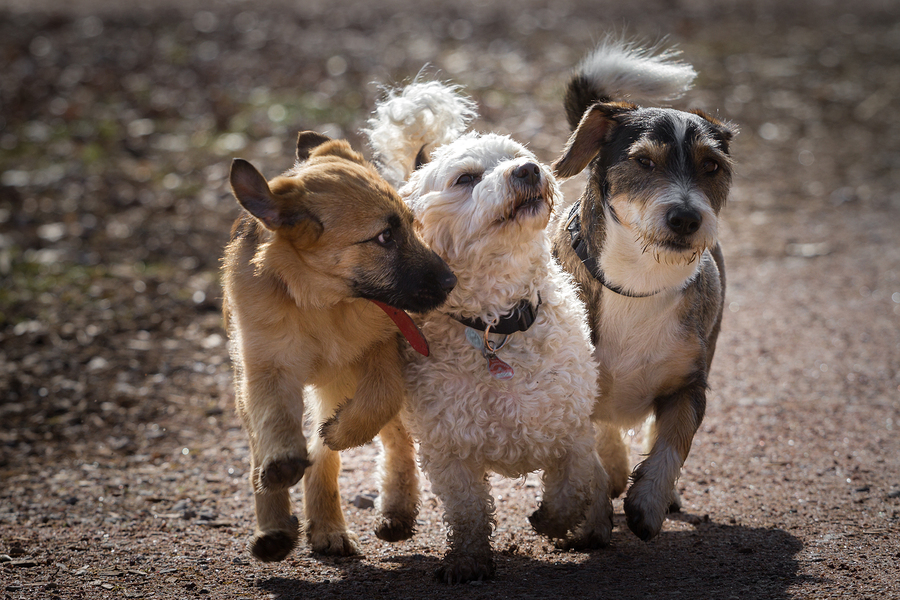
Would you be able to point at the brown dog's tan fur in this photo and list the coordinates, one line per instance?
(316, 244)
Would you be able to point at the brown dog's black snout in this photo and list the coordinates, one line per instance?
(529, 173)
(683, 221)
(448, 282)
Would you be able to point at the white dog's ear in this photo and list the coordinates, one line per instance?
(592, 132)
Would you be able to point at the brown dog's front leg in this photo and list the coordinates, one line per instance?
(678, 416)
(379, 396)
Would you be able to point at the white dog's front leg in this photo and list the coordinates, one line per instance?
(465, 492)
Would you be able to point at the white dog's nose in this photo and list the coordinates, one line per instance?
(529, 173)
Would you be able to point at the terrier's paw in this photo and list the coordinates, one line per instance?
(280, 473)
(460, 568)
(644, 513)
(335, 543)
(548, 524)
(674, 502)
(395, 528)
(272, 546)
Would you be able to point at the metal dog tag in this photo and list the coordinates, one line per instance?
(496, 367)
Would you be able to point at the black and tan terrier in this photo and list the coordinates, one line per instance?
(322, 253)
(642, 243)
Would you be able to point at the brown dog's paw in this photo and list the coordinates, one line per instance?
(337, 543)
(393, 528)
(273, 546)
(281, 473)
(339, 435)
(546, 524)
(460, 568)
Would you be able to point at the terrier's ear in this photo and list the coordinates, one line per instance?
(585, 142)
(252, 191)
(723, 132)
(307, 141)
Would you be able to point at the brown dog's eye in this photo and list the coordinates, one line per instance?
(385, 238)
(710, 166)
(645, 162)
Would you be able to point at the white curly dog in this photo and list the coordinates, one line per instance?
(511, 380)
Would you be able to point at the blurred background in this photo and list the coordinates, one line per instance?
(118, 122)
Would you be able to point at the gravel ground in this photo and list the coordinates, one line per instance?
(123, 466)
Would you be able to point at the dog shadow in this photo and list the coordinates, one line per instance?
(711, 561)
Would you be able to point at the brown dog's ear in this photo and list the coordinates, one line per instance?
(252, 191)
(585, 142)
(307, 141)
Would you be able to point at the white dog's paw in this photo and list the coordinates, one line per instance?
(595, 531)
(458, 567)
(645, 509)
(334, 543)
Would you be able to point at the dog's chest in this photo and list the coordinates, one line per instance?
(455, 404)
(644, 350)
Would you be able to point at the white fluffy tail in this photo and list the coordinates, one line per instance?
(413, 122)
(623, 69)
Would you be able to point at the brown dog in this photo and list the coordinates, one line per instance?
(316, 245)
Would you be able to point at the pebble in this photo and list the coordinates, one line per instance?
(364, 501)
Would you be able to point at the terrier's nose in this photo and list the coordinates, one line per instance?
(529, 173)
(683, 221)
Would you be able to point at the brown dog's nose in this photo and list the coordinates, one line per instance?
(683, 221)
(448, 282)
(529, 173)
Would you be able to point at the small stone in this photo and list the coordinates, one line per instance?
(894, 494)
(4, 558)
(363, 501)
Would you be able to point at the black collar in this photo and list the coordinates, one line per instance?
(573, 226)
(520, 318)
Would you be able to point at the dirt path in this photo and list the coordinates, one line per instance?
(122, 466)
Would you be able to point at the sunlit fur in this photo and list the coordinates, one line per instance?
(492, 232)
(648, 168)
(297, 275)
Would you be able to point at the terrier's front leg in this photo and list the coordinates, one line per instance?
(677, 418)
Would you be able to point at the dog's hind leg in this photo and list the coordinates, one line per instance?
(576, 490)
(398, 502)
(378, 398)
(677, 418)
(326, 529)
(613, 453)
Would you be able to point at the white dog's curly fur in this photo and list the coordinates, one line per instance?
(483, 202)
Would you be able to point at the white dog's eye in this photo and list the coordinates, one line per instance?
(467, 179)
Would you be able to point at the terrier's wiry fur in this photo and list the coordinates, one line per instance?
(642, 243)
(483, 202)
(315, 245)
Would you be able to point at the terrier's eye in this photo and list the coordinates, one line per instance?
(645, 162)
(710, 166)
(466, 179)
(385, 238)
